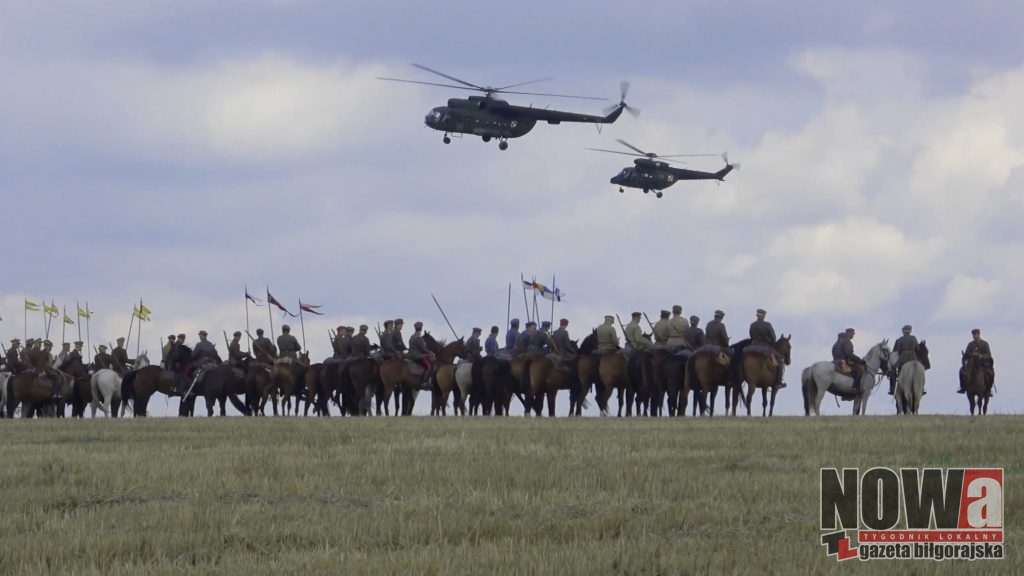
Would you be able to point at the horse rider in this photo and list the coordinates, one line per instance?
(607, 337)
(560, 338)
(396, 337)
(204, 355)
(13, 358)
(342, 343)
(360, 343)
(237, 358)
(512, 335)
(491, 344)
(42, 360)
(842, 351)
(387, 341)
(102, 359)
(522, 345)
(64, 354)
(694, 335)
(419, 353)
(473, 346)
(120, 356)
(716, 334)
(263, 349)
(165, 351)
(677, 326)
(540, 341)
(762, 333)
(634, 334)
(905, 349)
(32, 345)
(287, 345)
(980, 349)
(77, 351)
(660, 330)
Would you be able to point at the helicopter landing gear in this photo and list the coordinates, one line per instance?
(446, 139)
(621, 191)
(658, 194)
(486, 138)
(646, 190)
(503, 145)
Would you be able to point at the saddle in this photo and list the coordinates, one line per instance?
(844, 368)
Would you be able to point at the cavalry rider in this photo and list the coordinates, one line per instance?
(419, 353)
(263, 349)
(635, 334)
(842, 351)
(42, 360)
(204, 355)
(32, 345)
(387, 341)
(342, 343)
(694, 335)
(14, 363)
(512, 336)
(716, 334)
(62, 356)
(120, 356)
(77, 352)
(165, 351)
(288, 345)
(473, 346)
(661, 330)
(396, 337)
(762, 333)
(102, 359)
(677, 329)
(980, 349)
(237, 358)
(607, 337)
(491, 344)
(359, 345)
(905, 349)
(522, 345)
(560, 341)
(540, 341)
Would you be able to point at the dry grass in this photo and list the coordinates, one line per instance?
(460, 496)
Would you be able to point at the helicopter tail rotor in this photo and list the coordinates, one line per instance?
(623, 90)
(725, 157)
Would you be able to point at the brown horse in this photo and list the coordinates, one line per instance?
(259, 385)
(707, 369)
(140, 385)
(760, 370)
(588, 365)
(444, 376)
(36, 395)
(405, 376)
(216, 386)
(546, 379)
(974, 381)
(493, 386)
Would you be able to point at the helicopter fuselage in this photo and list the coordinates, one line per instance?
(650, 174)
(480, 116)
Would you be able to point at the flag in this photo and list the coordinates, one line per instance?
(251, 297)
(273, 301)
(30, 305)
(311, 308)
(84, 313)
(141, 312)
(68, 320)
(52, 309)
(550, 294)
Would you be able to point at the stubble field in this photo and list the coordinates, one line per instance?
(462, 496)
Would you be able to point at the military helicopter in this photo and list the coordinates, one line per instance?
(490, 117)
(650, 174)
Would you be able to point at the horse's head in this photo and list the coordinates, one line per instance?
(141, 361)
(572, 348)
(784, 347)
(922, 355)
(589, 343)
(73, 365)
(454, 348)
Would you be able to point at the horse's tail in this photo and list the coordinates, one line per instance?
(806, 383)
(128, 387)
(690, 376)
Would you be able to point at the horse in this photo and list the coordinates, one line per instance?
(35, 397)
(910, 382)
(822, 377)
(139, 385)
(405, 376)
(588, 368)
(973, 379)
(217, 385)
(444, 377)
(105, 387)
(706, 370)
(547, 378)
(494, 385)
(759, 370)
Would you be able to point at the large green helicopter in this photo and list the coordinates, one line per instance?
(650, 174)
(490, 117)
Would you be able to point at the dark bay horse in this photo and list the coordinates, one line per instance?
(36, 395)
(217, 385)
(493, 386)
(548, 375)
(706, 370)
(588, 368)
(974, 379)
(405, 376)
(759, 370)
(139, 386)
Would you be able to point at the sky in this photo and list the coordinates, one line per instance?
(177, 152)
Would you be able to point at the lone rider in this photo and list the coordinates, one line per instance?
(905, 348)
(842, 351)
(762, 333)
(978, 348)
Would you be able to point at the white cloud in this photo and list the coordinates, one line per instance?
(969, 298)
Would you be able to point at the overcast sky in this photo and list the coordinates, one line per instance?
(178, 151)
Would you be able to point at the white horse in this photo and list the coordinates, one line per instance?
(822, 377)
(910, 382)
(464, 380)
(106, 384)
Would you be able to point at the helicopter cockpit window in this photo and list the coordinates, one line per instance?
(626, 173)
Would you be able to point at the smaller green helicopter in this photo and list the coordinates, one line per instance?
(650, 174)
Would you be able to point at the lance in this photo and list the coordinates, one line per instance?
(138, 338)
(302, 326)
(274, 356)
(88, 336)
(526, 305)
(508, 308)
(63, 326)
(131, 324)
(553, 294)
(248, 345)
(445, 317)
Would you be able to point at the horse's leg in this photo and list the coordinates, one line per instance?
(764, 402)
(771, 409)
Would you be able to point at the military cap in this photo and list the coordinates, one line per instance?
(182, 335)
(350, 329)
(170, 336)
(514, 322)
(30, 341)
(477, 330)
(609, 317)
(563, 322)
(47, 343)
(203, 333)
(342, 327)
(103, 347)
(664, 313)
(636, 314)
(386, 324)
(65, 344)
(120, 339)
(418, 325)
(79, 343)
(363, 327)
(531, 323)
(15, 341)
(545, 323)
(761, 312)
(399, 321)
(975, 331)
(694, 319)
(719, 314)
(259, 331)
(237, 333)
(907, 328)
(851, 331)
(677, 308)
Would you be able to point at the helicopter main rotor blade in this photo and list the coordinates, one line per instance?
(452, 78)
(617, 152)
(503, 88)
(427, 83)
(554, 95)
(687, 155)
(631, 147)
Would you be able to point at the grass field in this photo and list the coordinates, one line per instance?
(462, 496)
